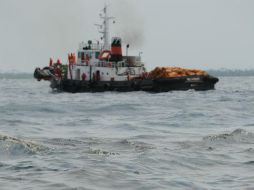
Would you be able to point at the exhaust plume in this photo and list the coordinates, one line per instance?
(129, 23)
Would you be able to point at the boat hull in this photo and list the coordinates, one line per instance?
(149, 85)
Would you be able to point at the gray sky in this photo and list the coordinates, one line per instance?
(206, 34)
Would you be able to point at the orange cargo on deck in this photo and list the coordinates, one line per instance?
(168, 72)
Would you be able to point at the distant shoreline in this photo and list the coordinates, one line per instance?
(231, 73)
(16, 75)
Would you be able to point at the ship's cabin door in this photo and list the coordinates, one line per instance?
(77, 74)
(98, 75)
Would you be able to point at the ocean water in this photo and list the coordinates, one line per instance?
(137, 140)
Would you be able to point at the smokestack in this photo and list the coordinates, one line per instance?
(133, 33)
(116, 50)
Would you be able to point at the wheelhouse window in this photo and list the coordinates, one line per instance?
(97, 54)
(79, 55)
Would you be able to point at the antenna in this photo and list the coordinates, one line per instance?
(104, 27)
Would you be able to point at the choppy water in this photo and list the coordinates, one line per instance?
(137, 140)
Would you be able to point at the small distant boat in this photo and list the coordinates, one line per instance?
(100, 67)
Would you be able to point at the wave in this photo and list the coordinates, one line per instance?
(249, 162)
(251, 150)
(137, 145)
(98, 146)
(32, 108)
(212, 142)
(11, 147)
(237, 136)
(120, 147)
(63, 142)
(115, 108)
(102, 152)
(14, 122)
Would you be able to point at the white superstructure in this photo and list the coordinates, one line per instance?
(104, 62)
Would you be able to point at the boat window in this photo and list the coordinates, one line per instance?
(97, 54)
(78, 74)
(79, 55)
(82, 57)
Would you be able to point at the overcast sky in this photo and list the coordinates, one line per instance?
(206, 34)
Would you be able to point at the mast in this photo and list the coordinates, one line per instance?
(105, 26)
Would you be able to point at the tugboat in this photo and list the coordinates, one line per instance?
(103, 67)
